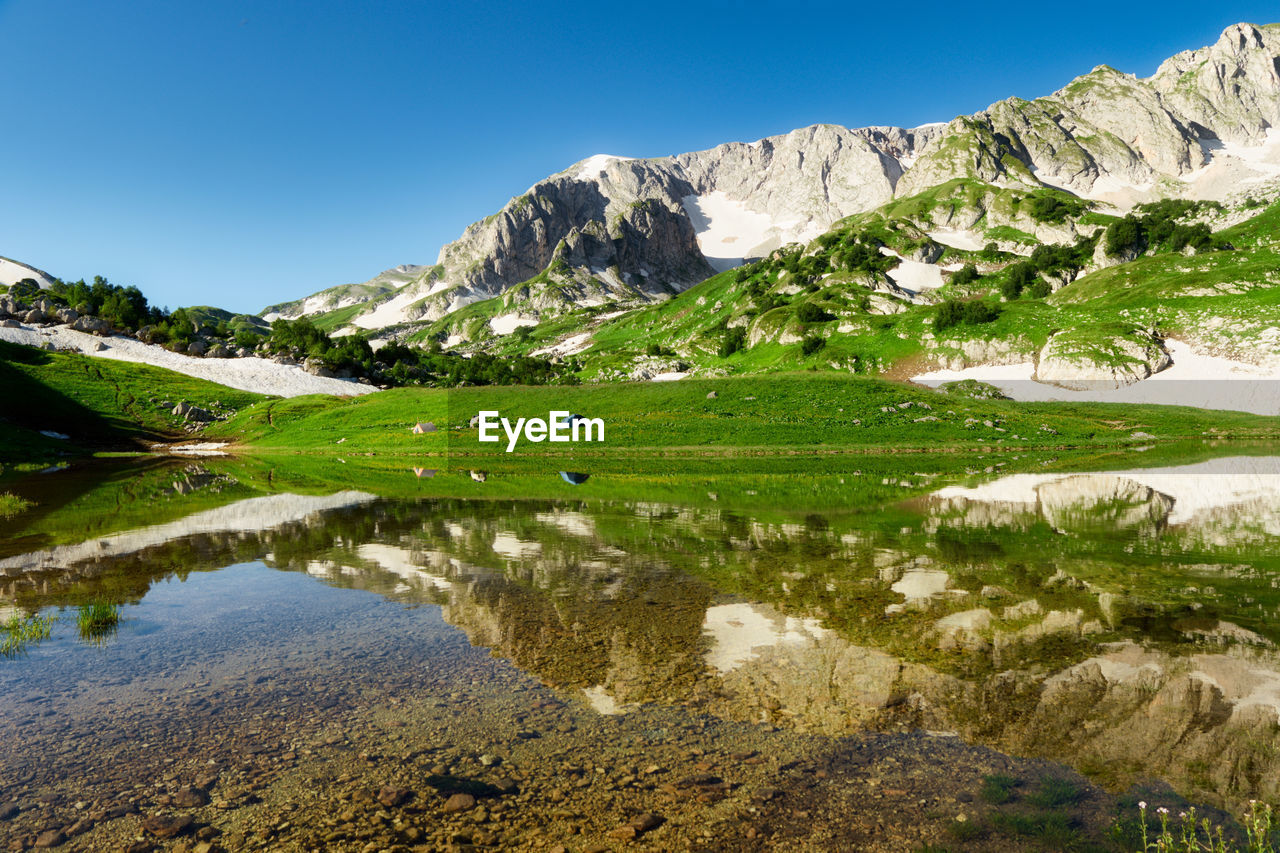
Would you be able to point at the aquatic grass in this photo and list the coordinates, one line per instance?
(966, 830)
(97, 621)
(1057, 829)
(997, 788)
(21, 631)
(11, 505)
(1199, 835)
(1055, 793)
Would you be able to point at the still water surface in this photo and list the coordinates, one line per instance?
(824, 660)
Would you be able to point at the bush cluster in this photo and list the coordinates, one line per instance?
(1156, 226)
(1055, 209)
(971, 312)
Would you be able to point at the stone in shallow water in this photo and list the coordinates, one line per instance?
(50, 838)
(167, 826)
(190, 798)
(391, 796)
(459, 803)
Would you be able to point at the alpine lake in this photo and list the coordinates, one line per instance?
(853, 652)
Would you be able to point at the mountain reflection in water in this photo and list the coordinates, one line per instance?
(1122, 622)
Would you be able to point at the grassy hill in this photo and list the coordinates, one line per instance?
(98, 403)
(832, 306)
(777, 414)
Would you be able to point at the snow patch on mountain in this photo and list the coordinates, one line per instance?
(969, 241)
(729, 232)
(389, 313)
(247, 374)
(505, 324)
(12, 272)
(593, 167)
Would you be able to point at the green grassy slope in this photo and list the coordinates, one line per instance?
(1224, 300)
(772, 414)
(97, 402)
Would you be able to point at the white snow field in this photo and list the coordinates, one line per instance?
(505, 324)
(915, 276)
(1194, 379)
(258, 375)
(594, 166)
(12, 272)
(729, 232)
(389, 313)
(969, 241)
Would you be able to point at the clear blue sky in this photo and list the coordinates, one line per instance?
(240, 153)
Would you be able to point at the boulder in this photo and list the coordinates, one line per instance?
(92, 325)
(197, 347)
(192, 414)
(67, 315)
(219, 351)
(9, 324)
(146, 334)
(35, 315)
(1083, 359)
(167, 826)
(316, 367)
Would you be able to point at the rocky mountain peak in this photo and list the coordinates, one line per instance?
(615, 229)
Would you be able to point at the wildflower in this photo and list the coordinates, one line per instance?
(1162, 810)
(1142, 804)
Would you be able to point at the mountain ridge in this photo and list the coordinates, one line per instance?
(612, 230)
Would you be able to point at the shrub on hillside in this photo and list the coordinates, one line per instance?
(1124, 235)
(811, 312)
(969, 313)
(967, 274)
(734, 340)
(1054, 209)
(812, 343)
(1018, 278)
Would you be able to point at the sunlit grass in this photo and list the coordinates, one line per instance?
(19, 631)
(97, 621)
(11, 505)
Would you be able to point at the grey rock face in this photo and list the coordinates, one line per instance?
(1231, 88)
(1109, 125)
(612, 229)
